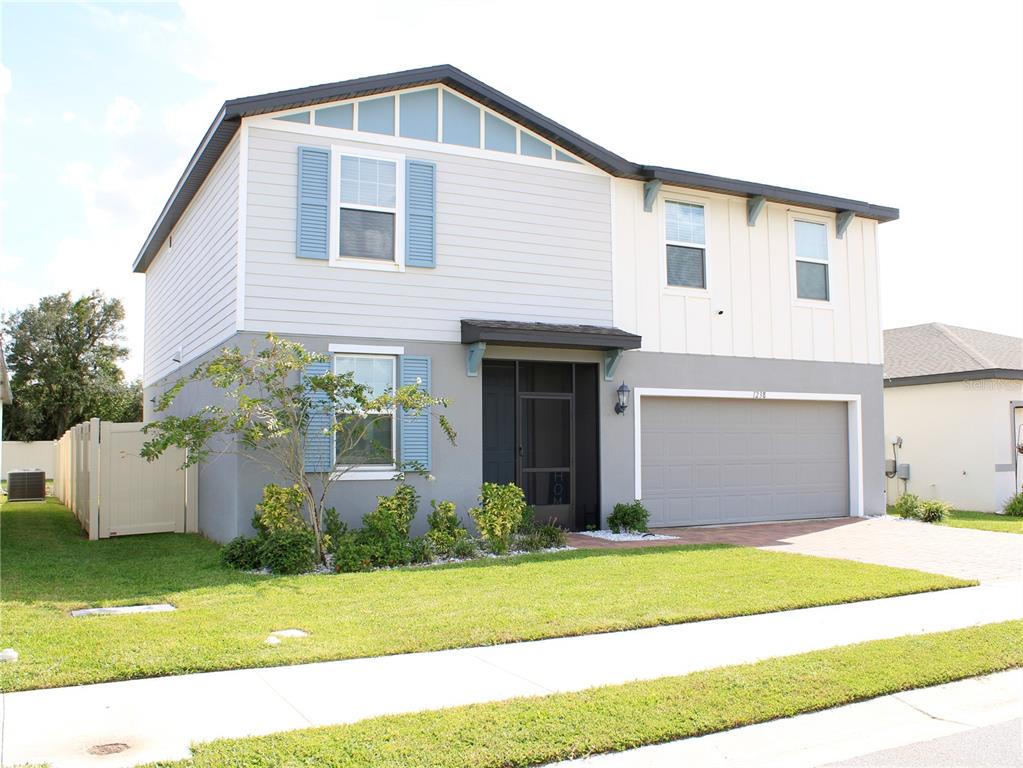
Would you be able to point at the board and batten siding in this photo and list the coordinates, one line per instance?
(191, 285)
(514, 241)
(750, 282)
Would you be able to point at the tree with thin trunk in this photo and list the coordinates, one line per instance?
(273, 410)
(64, 355)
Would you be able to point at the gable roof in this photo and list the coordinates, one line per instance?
(229, 118)
(934, 352)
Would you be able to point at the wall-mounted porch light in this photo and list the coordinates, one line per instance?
(623, 398)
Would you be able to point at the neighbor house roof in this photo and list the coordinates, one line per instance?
(228, 119)
(5, 380)
(935, 352)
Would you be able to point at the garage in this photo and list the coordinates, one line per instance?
(705, 461)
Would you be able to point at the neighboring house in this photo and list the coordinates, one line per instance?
(955, 397)
(422, 224)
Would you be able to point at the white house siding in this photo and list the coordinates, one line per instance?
(191, 285)
(954, 436)
(514, 241)
(750, 281)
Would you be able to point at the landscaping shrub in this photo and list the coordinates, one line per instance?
(933, 511)
(288, 551)
(446, 530)
(465, 549)
(631, 517)
(499, 514)
(541, 536)
(241, 553)
(284, 543)
(280, 510)
(908, 506)
(351, 555)
(421, 550)
(1014, 506)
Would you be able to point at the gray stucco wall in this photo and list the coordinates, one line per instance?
(655, 369)
(230, 487)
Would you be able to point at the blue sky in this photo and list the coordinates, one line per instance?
(907, 104)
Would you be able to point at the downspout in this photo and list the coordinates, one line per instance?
(1014, 447)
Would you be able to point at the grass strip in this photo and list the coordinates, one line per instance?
(224, 616)
(539, 730)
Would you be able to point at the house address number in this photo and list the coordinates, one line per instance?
(759, 394)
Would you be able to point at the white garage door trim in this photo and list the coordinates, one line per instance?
(855, 427)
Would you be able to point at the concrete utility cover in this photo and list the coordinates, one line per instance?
(122, 609)
(290, 633)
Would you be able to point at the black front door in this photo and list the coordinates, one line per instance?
(540, 432)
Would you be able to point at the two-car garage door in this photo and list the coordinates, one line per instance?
(715, 460)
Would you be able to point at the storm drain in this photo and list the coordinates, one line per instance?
(107, 749)
(122, 609)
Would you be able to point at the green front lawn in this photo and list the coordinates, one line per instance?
(541, 730)
(984, 521)
(224, 616)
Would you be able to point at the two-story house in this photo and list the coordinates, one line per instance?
(605, 330)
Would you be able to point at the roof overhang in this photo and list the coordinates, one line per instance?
(228, 120)
(519, 334)
(942, 378)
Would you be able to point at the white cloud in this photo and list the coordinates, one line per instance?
(122, 116)
(69, 117)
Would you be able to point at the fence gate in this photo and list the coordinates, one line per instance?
(115, 492)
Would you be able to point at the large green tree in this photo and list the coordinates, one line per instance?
(63, 356)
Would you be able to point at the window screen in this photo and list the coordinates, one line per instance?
(367, 234)
(686, 267)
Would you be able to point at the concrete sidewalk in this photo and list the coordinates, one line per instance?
(159, 717)
(920, 728)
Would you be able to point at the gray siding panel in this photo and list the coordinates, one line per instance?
(191, 287)
(514, 241)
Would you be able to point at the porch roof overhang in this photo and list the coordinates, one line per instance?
(521, 334)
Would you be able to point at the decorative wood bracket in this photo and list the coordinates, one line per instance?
(650, 190)
(842, 222)
(611, 359)
(474, 358)
(754, 205)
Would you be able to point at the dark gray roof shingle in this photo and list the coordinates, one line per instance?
(933, 349)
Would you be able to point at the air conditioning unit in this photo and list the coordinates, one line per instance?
(26, 485)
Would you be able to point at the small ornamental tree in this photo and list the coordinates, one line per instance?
(267, 418)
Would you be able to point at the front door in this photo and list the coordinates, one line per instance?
(540, 432)
(545, 456)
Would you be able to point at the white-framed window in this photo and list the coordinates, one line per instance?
(810, 242)
(370, 441)
(685, 244)
(367, 216)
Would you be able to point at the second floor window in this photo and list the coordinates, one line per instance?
(686, 244)
(368, 208)
(811, 242)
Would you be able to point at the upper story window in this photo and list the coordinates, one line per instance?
(367, 439)
(369, 208)
(811, 244)
(686, 244)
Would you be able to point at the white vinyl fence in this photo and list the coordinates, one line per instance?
(38, 454)
(113, 491)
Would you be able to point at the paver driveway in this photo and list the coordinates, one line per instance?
(961, 552)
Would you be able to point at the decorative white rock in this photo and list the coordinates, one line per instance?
(612, 536)
(8, 654)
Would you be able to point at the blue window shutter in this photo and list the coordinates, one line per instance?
(318, 445)
(312, 226)
(420, 214)
(415, 430)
